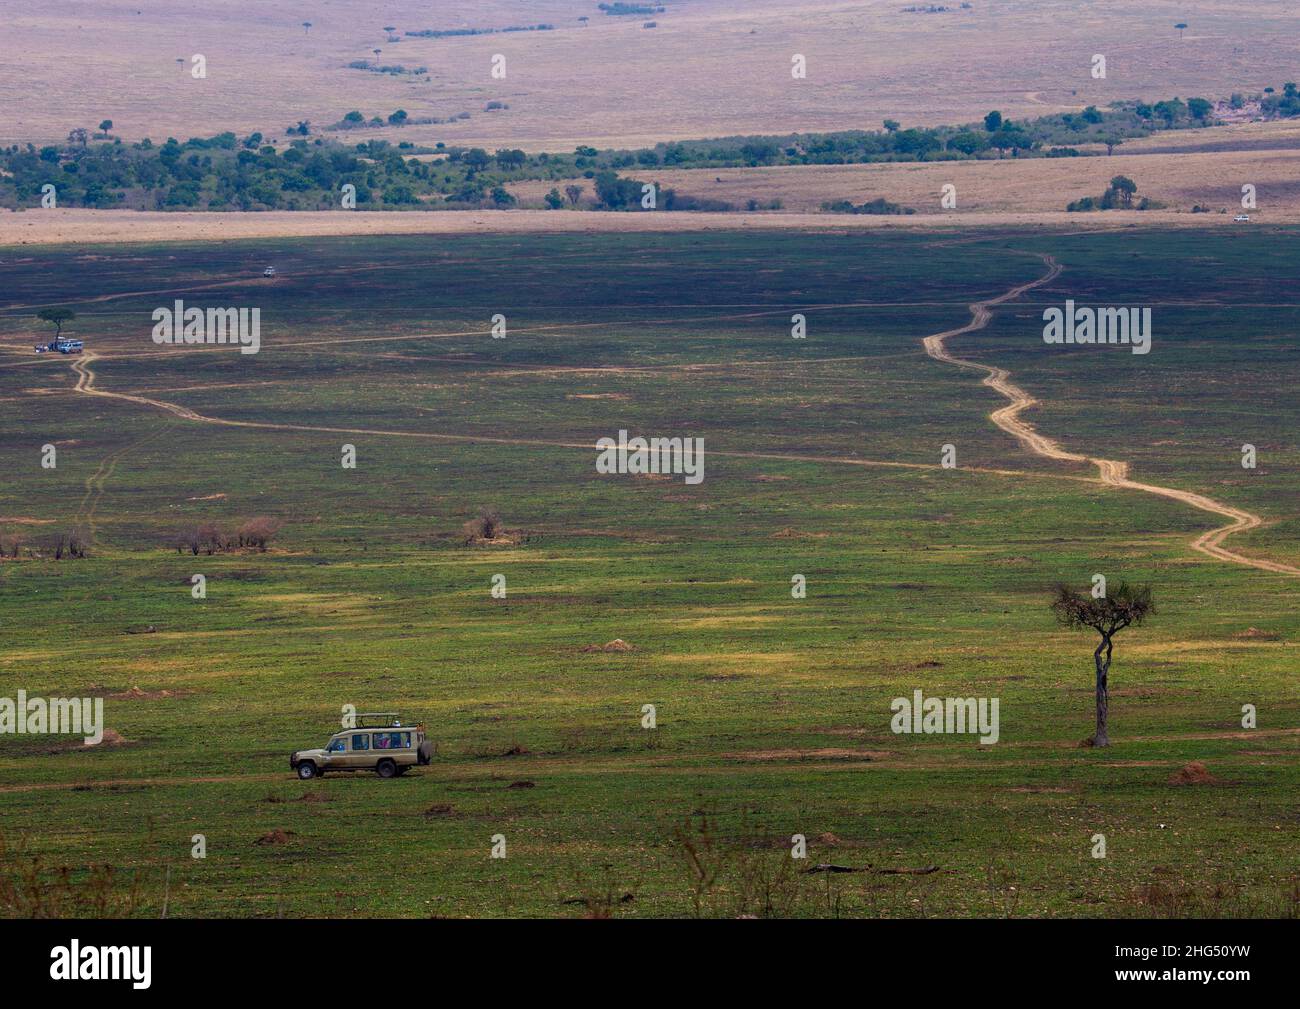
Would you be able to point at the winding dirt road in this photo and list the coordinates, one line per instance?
(1110, 471)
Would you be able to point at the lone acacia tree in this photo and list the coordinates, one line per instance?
(1107, 615)
(58, 316)
(1123, 188)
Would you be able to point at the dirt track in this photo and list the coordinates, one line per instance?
(1110, 471)
(86, 384)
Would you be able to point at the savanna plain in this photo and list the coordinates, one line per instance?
(822, 459)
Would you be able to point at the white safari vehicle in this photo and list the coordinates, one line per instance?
(63, 345)
(379, 742)
(269, 272)
(1242, 217)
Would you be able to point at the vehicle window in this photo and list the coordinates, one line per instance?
(337, 746)
(392, 740)
(361, 741)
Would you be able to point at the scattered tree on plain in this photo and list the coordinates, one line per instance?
(58, 317)
(1123, 187)
(1126, 606)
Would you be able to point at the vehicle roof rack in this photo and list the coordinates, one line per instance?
(389, 718)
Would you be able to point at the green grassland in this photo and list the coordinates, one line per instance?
(773, 712)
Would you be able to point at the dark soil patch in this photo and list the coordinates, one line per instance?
(276, 836)
(1194, 773)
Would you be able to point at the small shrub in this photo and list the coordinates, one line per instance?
(257, 532)
(486, 526)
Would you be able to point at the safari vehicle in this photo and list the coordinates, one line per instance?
(62, 345)
(379, 742)
(269, 272)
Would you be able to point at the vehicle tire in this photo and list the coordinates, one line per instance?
(307, 770)
(386, 768)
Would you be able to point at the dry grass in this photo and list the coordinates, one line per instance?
(711, 67)
(1038, 185)
(1178, 179)
(31, 887)
(99, 227)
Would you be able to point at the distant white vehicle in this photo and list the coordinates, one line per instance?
(62, 346)
(269, 272)
(1242, 217)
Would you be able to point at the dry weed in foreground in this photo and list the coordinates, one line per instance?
(31, 888)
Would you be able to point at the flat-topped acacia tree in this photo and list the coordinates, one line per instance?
(1108, 615)
(57, 316)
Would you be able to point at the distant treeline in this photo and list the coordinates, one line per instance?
(226, 172)
(1273, 105)
(392, 69)
(877, 206)
(623, 9)
(442, 33)
(1047, 136)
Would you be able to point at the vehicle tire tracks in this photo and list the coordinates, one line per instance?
(95, 482)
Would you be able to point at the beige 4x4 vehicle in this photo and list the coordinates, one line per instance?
(379, 743)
